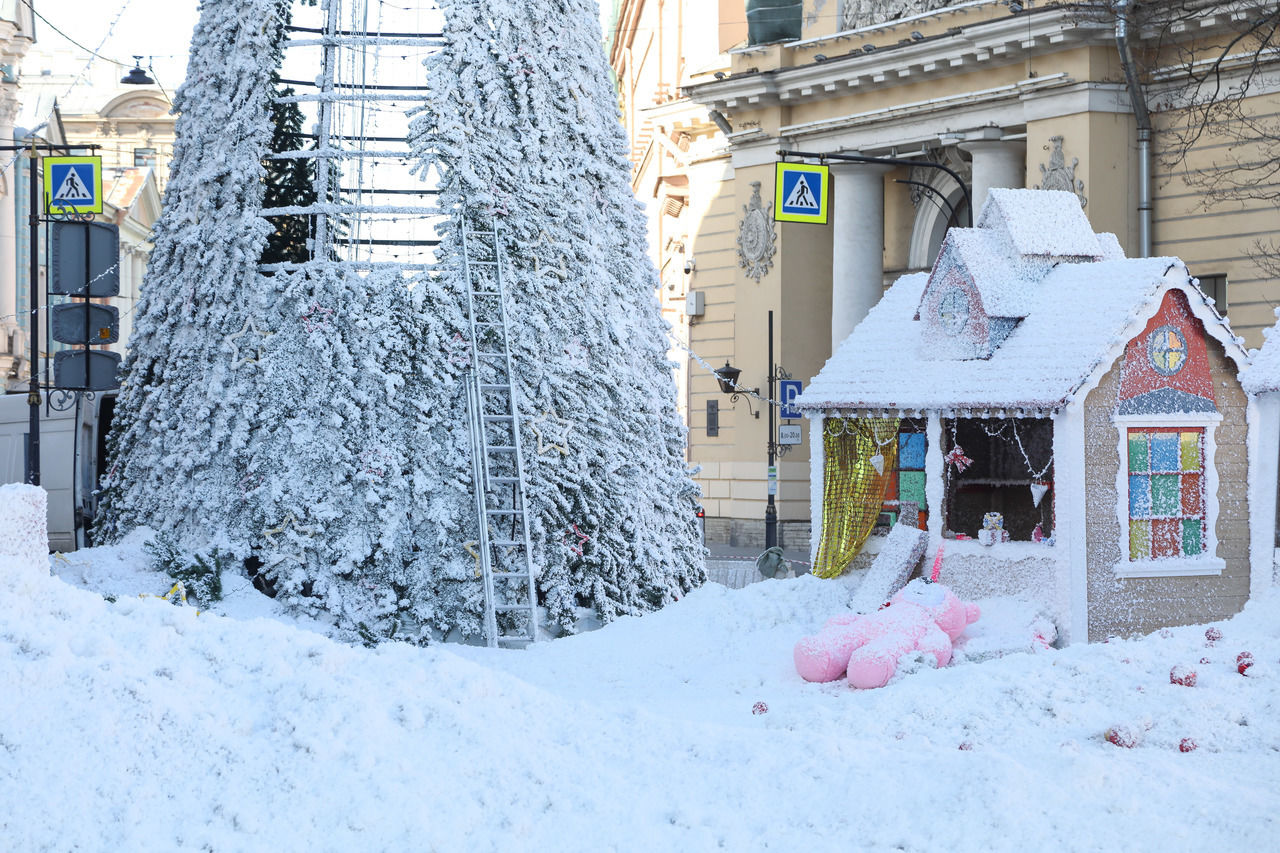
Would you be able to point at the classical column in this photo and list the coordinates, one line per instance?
(857, 244)
(8, 223)
(995, 164)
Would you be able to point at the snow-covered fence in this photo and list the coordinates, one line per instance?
(24, 529)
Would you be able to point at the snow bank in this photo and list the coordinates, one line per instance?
(24, 532)
(139, 725)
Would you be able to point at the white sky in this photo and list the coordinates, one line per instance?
(159, 30)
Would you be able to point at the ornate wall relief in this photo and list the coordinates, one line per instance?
(1058, 175)
(756, 236)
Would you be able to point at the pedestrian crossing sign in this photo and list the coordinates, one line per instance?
(72, 185)
(801, 193)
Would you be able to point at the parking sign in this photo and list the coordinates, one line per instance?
(788, 391)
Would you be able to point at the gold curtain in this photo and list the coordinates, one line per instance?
(852, 489)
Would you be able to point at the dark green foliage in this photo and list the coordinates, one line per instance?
(289, 183)
(200, 573)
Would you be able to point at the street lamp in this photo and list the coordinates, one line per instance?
(727, 377)
(136, 76)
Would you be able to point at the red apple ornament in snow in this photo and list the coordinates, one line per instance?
(759, 708)
(1244, 660)
(1121, 736)
(1212, 636)
(1182, 675)
(1187, 745)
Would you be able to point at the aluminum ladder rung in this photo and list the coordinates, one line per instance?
(497, 599)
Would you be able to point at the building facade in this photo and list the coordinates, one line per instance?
(1021, 95)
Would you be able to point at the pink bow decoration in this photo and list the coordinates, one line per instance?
(957, 458)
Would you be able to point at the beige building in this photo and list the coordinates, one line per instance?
(17, 32)
(67, 100)
(1004, 94)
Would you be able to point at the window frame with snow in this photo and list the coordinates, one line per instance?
(998, 476)
(1181, 565)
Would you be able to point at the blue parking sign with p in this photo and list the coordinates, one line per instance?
(788, 391)
(801, 193)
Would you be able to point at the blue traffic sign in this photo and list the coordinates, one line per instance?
(788, 391)
(801, 193)
(73, 184)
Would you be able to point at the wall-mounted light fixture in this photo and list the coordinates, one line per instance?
(727, 377)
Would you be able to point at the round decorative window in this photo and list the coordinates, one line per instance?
(953, 310)
(1167, 350)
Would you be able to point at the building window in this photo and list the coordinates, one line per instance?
(1166, 492)
(1215, 286)
(144, 156)
(904, 491)
(999, 465)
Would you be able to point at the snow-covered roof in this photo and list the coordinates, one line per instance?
(1263, 373)
(1047, 223)
(1004, 287)
(1063, 319)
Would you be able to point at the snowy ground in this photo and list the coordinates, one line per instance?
(140, 725)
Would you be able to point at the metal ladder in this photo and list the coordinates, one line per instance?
(497, 460)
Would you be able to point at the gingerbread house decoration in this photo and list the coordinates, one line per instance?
(1068, 424)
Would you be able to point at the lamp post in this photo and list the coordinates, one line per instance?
(727, 377)
(775, 449)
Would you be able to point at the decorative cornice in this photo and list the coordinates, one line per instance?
(1001, 41)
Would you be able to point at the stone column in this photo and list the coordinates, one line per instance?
(995, 164)
(8, 223)
(857, 244)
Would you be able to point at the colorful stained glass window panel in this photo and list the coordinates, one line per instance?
(1139, 496)
(1192, 495)
(911, 487)
(1165, 454)
(1139, 540)
(1190, 451)
(1192, 536)
(1166, 496)
(1138, 452)
(911, 447)
(1166, 537)
(890, 488)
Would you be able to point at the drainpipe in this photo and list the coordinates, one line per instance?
(1138, 101)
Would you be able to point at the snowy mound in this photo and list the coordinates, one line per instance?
(160, 729)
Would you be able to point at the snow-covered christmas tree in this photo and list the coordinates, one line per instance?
(522, 126)
(186, 410)
(305, 415)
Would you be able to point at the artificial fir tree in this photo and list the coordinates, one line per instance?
(185, 412)
(522, 126)
(262, 411)
(288, 183)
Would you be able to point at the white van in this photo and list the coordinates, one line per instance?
(73, 450)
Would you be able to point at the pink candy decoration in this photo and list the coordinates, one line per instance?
(937, 566)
